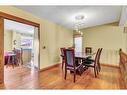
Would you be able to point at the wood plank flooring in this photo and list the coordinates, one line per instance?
(24, 78)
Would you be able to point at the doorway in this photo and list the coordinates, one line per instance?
(21, 38)
(36, 26)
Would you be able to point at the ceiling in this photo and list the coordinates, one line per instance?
(65, 15)
(19, 27)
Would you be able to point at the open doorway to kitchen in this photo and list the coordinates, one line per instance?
(21, 45)
(17, 73)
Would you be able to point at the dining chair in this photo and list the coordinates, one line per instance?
(99, 66)
(71, 47)
(88, 50)
(70, 62)
(62, 55)
(11, 61)
(21, 56)
(17, 57)
(93, 63)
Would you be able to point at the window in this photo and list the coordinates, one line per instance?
(27, 43)
(78, 44)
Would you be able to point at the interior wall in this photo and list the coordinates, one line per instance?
(7, 40)
(55, 37)
(9, 37)
(17, 38)
(52, 36)
(110, 37)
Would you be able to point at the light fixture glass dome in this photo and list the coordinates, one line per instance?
(79, 17)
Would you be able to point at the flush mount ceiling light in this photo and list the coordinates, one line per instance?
(79, 17)
(79, 21)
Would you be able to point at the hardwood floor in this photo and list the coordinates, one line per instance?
(24, 78)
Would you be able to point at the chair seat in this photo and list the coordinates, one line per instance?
(72, 68)
(89, 65)
(89, 59)
(79, 69)
(92, 60)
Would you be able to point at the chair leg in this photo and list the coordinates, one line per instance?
(13, 61)
(21, 60)
(12, 65)
(95, 72)
(97, 69)
(62, 64)
(65, 74)
(74, 75)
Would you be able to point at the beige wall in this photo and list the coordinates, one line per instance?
(9, 37)
(55, 36)
(16, 37)
(7, 40)
(52, 36)
(110, 37)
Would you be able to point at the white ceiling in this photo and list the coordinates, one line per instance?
(65, 15)
(19, 27)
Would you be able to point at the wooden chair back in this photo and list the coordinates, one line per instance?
(62, 51)
(70, 62)
(18, 53)
(69, 58)
(88, 50)
(71, 47)
(97, 57)
(21, 56)
(98, 61)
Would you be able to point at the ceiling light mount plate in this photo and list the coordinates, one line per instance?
(79, 17)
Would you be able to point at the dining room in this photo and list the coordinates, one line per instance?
(79, 49)
(92, 61)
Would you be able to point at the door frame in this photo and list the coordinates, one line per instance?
(21, 20)
(1, 50)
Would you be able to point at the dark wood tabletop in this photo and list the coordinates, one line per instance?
(82, 55)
